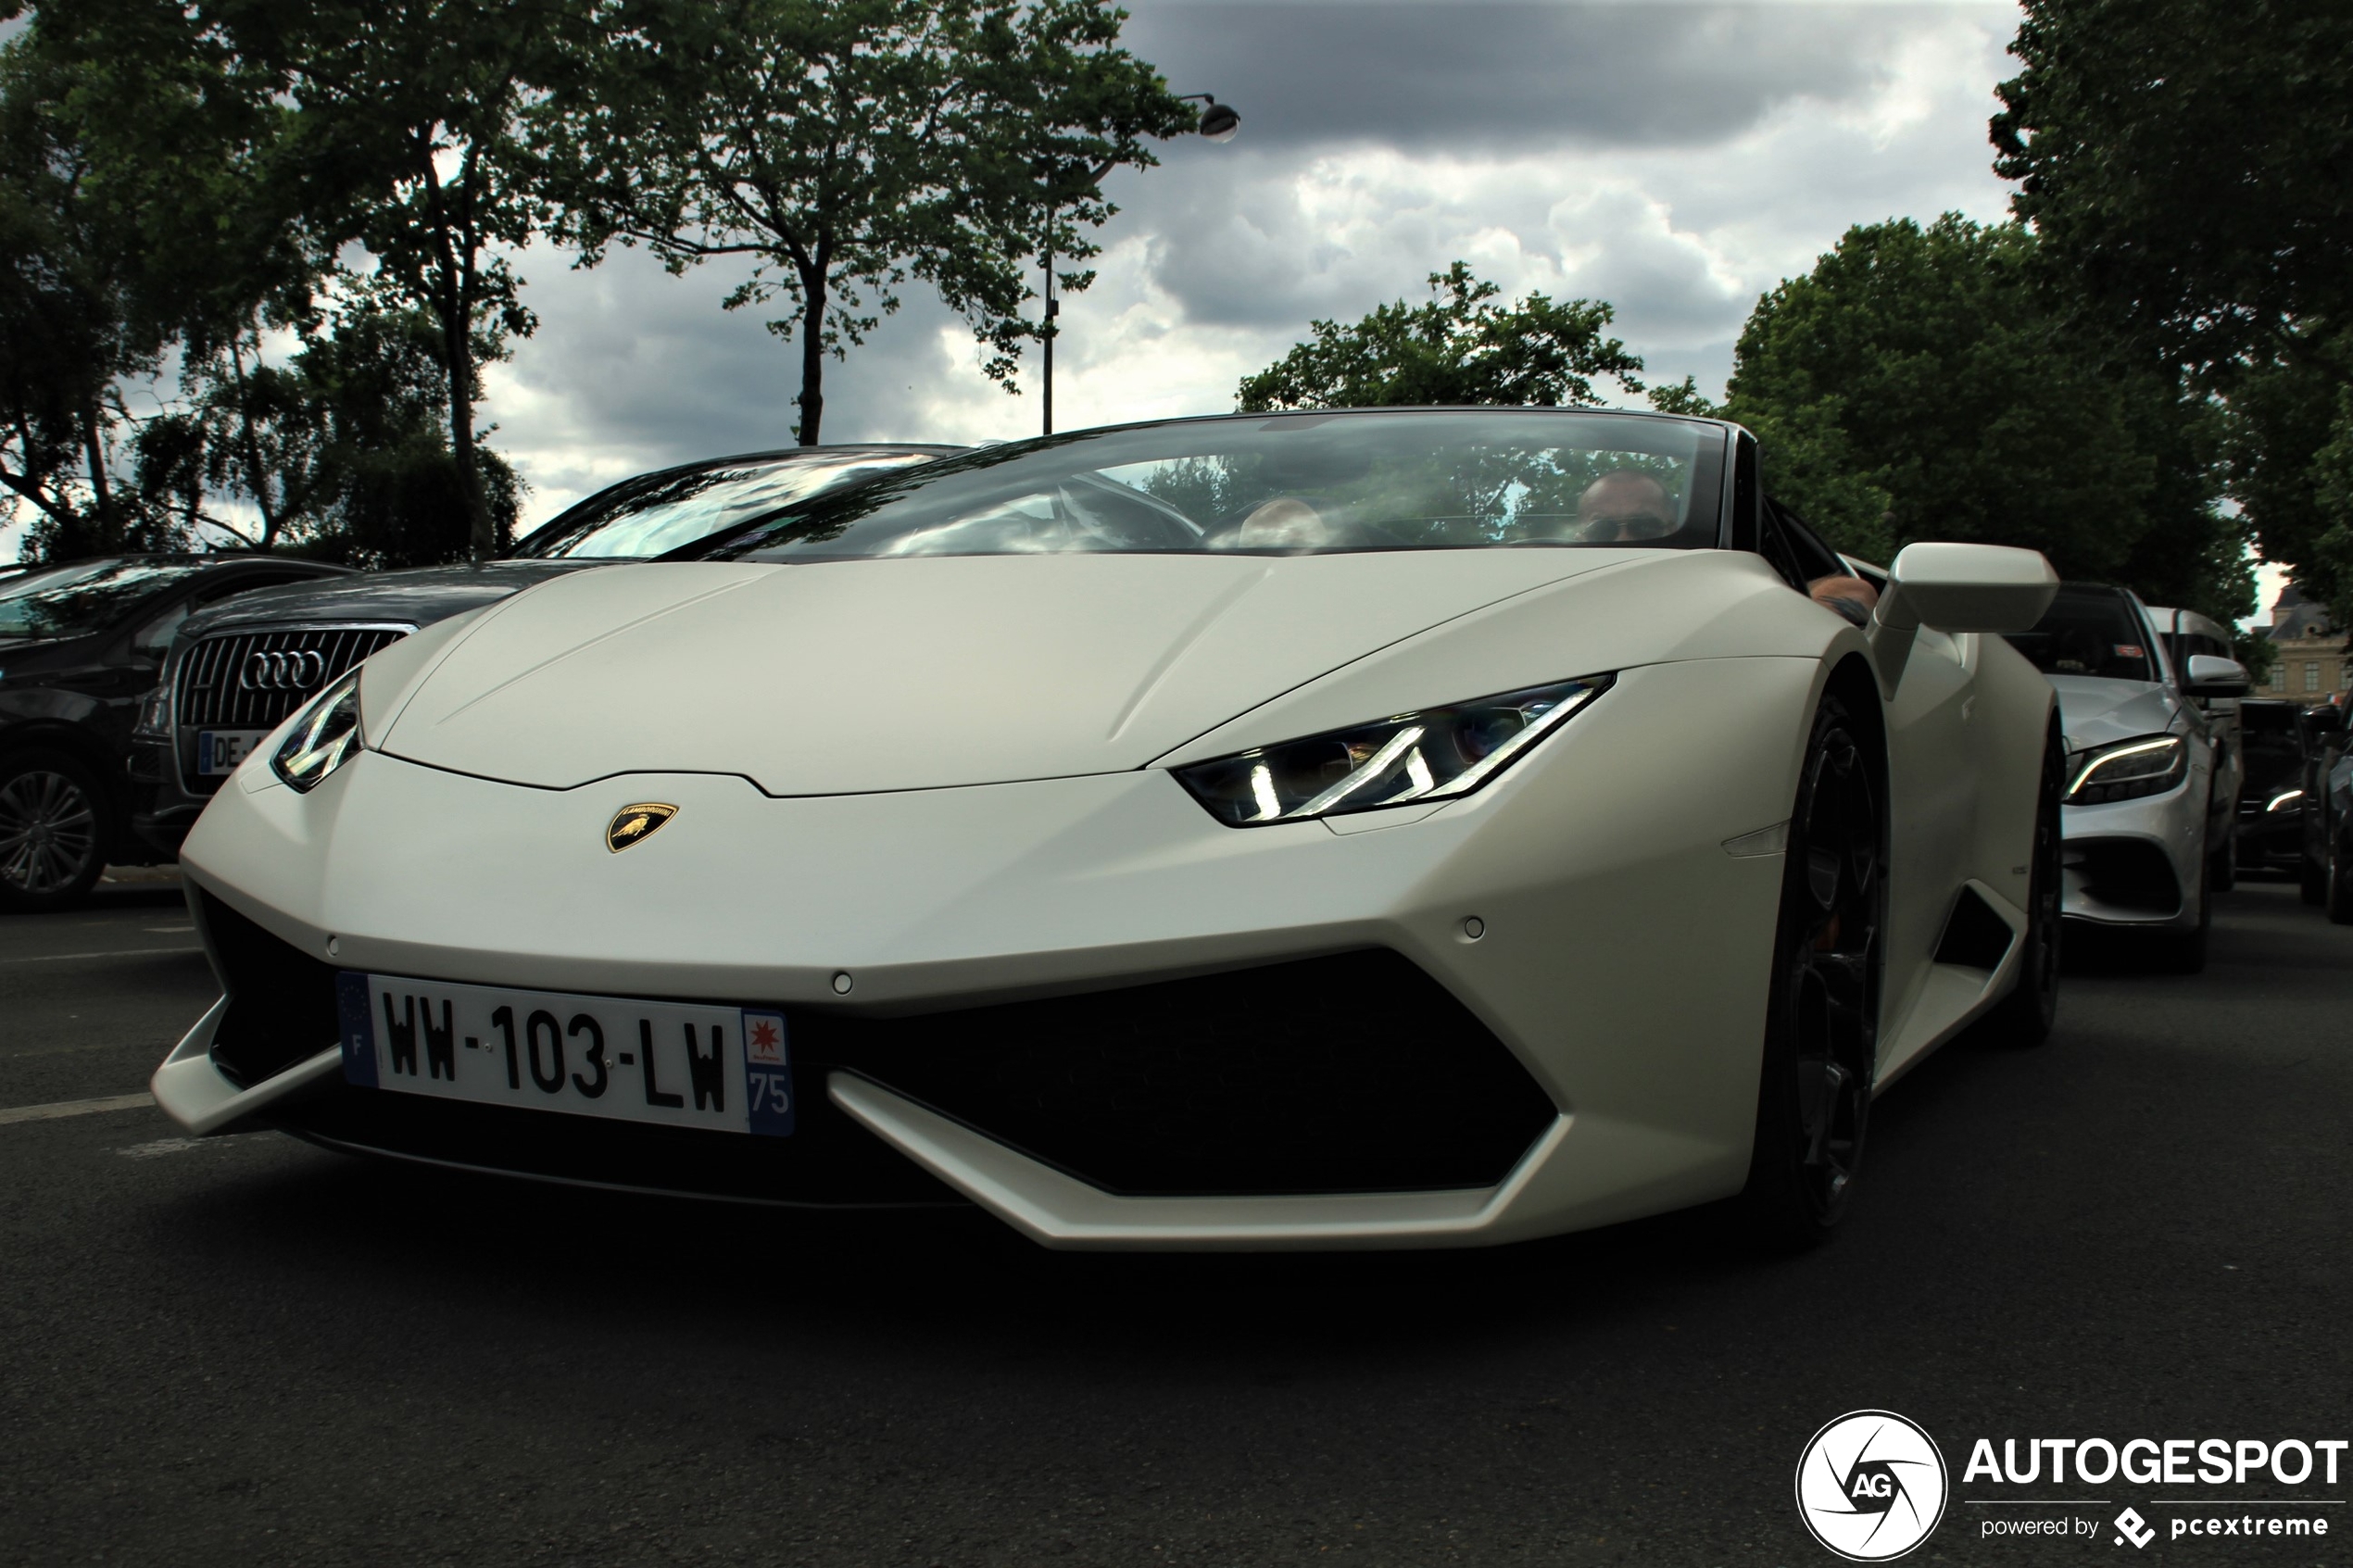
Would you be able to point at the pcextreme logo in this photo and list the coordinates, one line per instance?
(1871, 1485)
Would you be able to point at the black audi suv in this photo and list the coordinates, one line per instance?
(81, 646)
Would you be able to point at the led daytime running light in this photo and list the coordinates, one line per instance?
(1438, 754)
(2131, 769)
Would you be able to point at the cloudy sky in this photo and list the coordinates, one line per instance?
(1673, 159)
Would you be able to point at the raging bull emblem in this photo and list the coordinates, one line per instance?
(635, 825)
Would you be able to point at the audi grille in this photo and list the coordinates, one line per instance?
(253, 680)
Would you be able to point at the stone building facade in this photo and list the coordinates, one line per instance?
(2310, 660)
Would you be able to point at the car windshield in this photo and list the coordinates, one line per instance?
(656, 513)
(2089, 629)
(71, 601)
(1290, 485)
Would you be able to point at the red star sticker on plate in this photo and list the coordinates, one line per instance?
(763, 1034)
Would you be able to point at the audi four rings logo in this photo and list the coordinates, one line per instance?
(284, 671)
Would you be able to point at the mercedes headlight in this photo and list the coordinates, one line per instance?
(2128, 770)
(323, 737)
(1437, 753)
(2286, 801)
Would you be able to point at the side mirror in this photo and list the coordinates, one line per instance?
(2323, 721)
(1956, 588)
(2211, 676)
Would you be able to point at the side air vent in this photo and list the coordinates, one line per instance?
(1975, 937)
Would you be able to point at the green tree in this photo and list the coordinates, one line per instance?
(847, 147)
(407, 142)
(2185, 163)
(1459, 347)
(66, 333)
(1919, 383)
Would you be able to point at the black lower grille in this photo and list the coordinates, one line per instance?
(281, 1001)
(1356, 1072)
(2125, 873)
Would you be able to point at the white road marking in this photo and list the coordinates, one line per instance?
(161, 1145)
(120, 953)
(74, 1107)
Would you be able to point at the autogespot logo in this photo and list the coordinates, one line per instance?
(1871, 1486)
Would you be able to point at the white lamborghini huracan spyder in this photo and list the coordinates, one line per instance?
(1404, 827)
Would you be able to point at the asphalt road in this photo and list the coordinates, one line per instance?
(248, 1352)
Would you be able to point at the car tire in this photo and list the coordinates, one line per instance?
(53, 832)
(2337, 886)
(1821, 1026)
(2185, 951)
(2024, 1017)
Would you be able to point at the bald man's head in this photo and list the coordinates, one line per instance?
(1624, 506)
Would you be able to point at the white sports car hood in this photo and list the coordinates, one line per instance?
(2096, 711)
(846, 677)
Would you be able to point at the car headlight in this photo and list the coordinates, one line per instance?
(2128, 770)
(1437, 753)
(324, 736)
(155, 714)
(2286, 801)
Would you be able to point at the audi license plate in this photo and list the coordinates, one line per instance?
(720, 1068)
(219, 751)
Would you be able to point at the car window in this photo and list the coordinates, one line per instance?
(2089, 629)
(657, 513)
(1310, 483)
(86, 596)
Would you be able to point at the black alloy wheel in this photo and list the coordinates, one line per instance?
(1821, 1027)
(52, 834)
(2025, 1016)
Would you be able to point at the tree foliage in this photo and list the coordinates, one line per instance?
(847, 147)
(1459, 347)
(2186, 165)
(1919, 383)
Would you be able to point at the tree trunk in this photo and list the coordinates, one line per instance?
(103, 535)
(813, 357)
(257, 481)
(482, 533)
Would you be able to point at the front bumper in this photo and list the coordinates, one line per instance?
(1618, 975)
(2136, 862)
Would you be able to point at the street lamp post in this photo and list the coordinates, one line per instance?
(1218, 123)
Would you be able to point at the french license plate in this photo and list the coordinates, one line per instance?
(219, 751)
(674, 1064)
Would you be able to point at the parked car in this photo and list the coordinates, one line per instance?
(1233, 832)
(2325, 811)
(235, 675)
(2270, 826)
(2146, 821)
(2184, 635)
(81, 646)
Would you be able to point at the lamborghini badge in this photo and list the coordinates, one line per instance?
(635, 825)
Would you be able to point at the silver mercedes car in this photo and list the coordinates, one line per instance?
(2145, 817)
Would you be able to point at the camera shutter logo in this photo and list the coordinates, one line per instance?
(1871, 1485)
(284, 670)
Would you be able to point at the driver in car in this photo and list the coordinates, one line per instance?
(1627, 505)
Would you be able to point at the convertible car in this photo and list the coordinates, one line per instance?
(1405, 827)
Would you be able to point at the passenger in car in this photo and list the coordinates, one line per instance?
(1627, 505)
